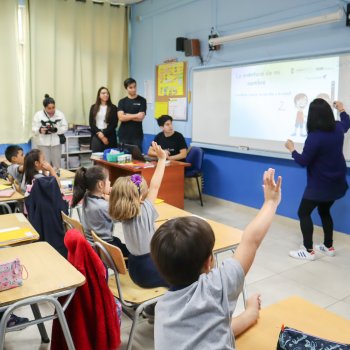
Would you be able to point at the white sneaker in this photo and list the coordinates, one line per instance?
(324, 250)
(302, 254)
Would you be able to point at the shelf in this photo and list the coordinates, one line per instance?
(77, 136)
(76, 152)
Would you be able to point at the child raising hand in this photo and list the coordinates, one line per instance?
(131, 202)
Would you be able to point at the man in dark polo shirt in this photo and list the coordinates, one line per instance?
(171, 141)
(131, 112)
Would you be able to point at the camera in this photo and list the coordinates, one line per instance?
(51, 128)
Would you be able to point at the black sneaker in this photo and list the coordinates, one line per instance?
(16, 320)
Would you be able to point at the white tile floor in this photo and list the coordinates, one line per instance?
(276, 276)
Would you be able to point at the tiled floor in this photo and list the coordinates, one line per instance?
(276, 276)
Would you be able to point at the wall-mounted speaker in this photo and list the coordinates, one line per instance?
(192, 47)
(180, 44)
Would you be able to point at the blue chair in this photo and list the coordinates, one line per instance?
(195, 157)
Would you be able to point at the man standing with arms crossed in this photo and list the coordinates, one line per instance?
(131, 112)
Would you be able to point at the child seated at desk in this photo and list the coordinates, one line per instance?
(196, 311)
(93, 186)
(35, 166)
(14, 154)
(131, 202)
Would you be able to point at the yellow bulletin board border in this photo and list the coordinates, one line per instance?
(171, 81)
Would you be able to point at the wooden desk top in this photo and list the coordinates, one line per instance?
(66, 174)
(48, 272)
(226, 237)
(15, 197)
(17, 220)
(294, 312)
(167, 211)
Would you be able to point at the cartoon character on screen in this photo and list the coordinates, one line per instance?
(300, 102)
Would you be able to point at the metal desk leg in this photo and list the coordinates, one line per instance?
(42, 330)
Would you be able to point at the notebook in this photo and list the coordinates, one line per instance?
(8, 192)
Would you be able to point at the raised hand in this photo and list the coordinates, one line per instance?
(160, 153)
(289, 145)
(272, 190)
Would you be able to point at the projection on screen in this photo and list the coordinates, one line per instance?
(270, 101)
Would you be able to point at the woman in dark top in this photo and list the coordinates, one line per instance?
(326, 173)
(103, 120)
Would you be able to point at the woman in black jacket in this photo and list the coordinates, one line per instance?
(103, 120)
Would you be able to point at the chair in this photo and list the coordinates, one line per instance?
(195, 157)
(132, 297)
(69, 223)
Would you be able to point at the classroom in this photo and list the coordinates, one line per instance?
(240, 69)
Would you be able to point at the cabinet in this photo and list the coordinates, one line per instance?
(76, 151)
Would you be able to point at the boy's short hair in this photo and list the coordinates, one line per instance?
(180, 247)
(163, 119)
(128, 82)
(12, 151)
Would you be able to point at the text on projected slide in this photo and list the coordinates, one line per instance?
(270, 101)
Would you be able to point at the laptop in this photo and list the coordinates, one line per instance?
(136, 153)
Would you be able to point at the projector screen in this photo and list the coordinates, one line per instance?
(259, 106)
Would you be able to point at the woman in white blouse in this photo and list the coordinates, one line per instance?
(103, 122)
(47, 124)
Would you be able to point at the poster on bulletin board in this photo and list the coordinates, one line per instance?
(171, 79)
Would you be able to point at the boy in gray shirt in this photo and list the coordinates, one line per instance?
(14, 154)
(196, 312)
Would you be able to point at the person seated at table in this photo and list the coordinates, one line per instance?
(92, 185)
(35, 166)
(14, 154)
(197, 310)
(171, 141)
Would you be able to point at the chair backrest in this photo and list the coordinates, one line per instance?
(114, 252)
(195, 157)
(71, 223)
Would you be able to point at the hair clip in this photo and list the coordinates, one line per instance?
(137, 180)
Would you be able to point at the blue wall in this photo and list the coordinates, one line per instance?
(26, 147)
(154, 28)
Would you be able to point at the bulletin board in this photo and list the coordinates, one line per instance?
(171, 90)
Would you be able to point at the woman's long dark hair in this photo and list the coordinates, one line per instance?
(86, 180)
(320, 116)
(98, 103)
(29, 165)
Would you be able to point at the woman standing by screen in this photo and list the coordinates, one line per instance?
(103, 121)
(326, 173)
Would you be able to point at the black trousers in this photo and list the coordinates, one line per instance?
(307, 228)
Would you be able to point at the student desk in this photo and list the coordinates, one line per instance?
(294, 312)
(11, 233)
(4, 201)
(226, 237)
(49, 276)
(66, 174)
(172, 189)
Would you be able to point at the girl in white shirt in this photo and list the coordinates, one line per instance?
(103, 122)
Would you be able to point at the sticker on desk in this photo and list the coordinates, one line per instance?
(21, 218)
(15, 234)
